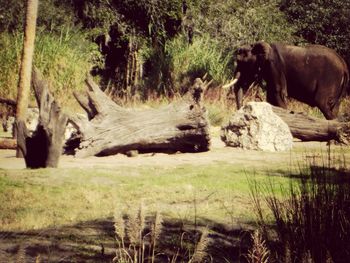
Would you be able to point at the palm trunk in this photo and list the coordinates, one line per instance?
(26, 64)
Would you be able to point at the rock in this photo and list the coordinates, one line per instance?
(7, 124)
(70, 130)
(31, 121)
(257, 127)
(132, 153)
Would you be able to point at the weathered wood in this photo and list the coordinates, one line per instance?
(111, 129)
(8, 102)
(12, 103)
(308, 128)
(43, 148)
(8, 143)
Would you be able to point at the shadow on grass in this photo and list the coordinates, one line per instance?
(312, 214)
(94, 241)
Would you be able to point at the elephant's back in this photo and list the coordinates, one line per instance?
(328, 54)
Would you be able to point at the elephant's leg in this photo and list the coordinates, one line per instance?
(329, 108)
(327, 105)
(276, 96)
(329, 114)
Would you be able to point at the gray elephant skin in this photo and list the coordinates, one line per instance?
(315, 75)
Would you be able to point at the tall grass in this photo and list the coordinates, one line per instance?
(137, 241)
(64, 58)
(203, 56)
(313, 220)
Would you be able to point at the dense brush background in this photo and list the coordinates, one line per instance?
(151, 50)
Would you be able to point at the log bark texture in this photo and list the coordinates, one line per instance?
(43, 147)
(110, 129)
(8, 143)
(308, 128)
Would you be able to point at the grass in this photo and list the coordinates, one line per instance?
(33, 199)
(215, 194)
(65, 59)
(312, 219)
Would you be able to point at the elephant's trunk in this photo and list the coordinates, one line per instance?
(238, 90)
(235, 89)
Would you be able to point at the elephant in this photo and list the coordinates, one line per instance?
(314, 74)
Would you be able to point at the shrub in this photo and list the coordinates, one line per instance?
(313, 220)
(204, 56)
(64, 59)
(234, 23)
(324, 22)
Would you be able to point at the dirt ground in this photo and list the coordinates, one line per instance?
(218, 153)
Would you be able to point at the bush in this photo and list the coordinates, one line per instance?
(324, 22)
(53, 15)
(64, 59)
(233, 23)
(204, 56)
(313, 220)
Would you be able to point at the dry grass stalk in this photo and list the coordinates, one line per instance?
(259, 253)
(155, 232)
(141, 219)
(200, 251)
(288, 254)
(133, 229)
(21, 254)
(119, 226)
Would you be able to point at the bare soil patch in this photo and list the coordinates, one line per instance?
(218, 153)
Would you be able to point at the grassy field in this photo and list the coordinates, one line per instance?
(43, 203)
(73, 208)
(34, 199)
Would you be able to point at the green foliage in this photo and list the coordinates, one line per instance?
(205, 55)
(233, 23)
(53, 15)
(323, 22)
(313, 219)
(64, 59)
(10, 54)
(158, 32)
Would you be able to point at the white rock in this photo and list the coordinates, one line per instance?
(256, 127)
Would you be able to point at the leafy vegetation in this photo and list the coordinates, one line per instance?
(65, 59)
(322, 22)
(312, 219)
(147, 49)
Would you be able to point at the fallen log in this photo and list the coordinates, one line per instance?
(110, 129)
(8, 102)
(13, 104)
(307, 128)
(8, 143)
(43, 147)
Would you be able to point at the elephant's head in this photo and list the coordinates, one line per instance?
(250, 62)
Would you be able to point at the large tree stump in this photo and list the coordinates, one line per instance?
(44, 146)
(110, 129)
(308, 128)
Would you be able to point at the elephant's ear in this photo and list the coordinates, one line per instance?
(262, 50)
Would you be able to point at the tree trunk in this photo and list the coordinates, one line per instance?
(26, 63)
(181, 126)
(44, 147)
(308, 128)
